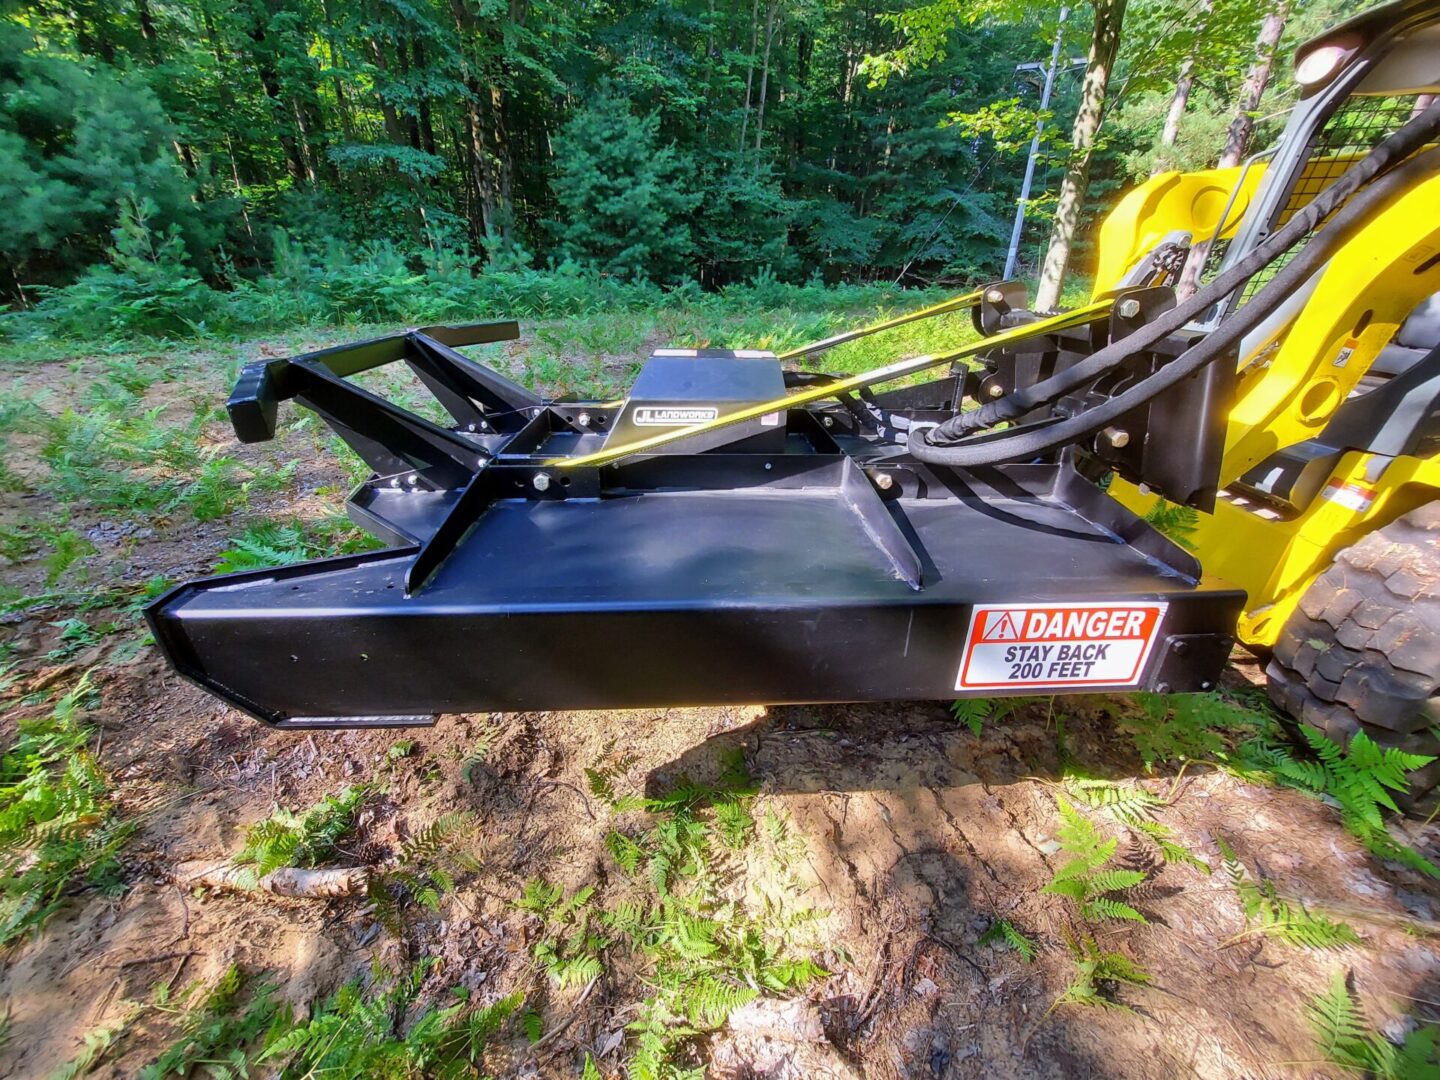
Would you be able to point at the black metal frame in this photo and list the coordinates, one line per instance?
(837, 569)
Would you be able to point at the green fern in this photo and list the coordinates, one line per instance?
(59, 832)
(1085, 877)
(1003, 930)
(355, 1032)
(1099, 975)
(1347, 1040)
(1170, 850)
(1275, 917)
(1177, 523)
(974, 712)
(569, 950)
(425, 868)
(1360, 778)
(308, 839)
(1126, 803)
(1187, 727)
(226, 1020)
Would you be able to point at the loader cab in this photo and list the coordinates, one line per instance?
(1360, 82)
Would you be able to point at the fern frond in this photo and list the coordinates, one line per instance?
(1004, 930)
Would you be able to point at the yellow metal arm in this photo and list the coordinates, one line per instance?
(959, 303)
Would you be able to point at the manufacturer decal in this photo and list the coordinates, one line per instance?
(1049, 646)
(1355, 497)
(673, 415)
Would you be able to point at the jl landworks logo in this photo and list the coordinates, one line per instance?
(673, 415)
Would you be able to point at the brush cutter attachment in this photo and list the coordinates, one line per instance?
(706, 540)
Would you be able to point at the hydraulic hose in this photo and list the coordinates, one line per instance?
(983, 450)
(1395, 148)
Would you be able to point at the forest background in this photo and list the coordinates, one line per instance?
(185, 167)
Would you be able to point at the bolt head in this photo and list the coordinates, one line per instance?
(884, 481)
(995, 296)
(541, 481)
(583, 419)
(996, 390)
(1119, 438)
(828, 421)
(1128, 309)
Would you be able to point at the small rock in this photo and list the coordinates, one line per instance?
(926, 988)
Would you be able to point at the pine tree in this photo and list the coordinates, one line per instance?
(624, 196)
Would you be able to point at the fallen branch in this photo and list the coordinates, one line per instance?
(287, 881)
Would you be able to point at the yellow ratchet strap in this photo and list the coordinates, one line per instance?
(1079, 317)
(969, 300)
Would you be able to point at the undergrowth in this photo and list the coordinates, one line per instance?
(286, 838)
(1267, 914)
(59, 830)
(284, 543)
(376, 1027)
(1346, 1039)
(704, 950)
(1087, 876)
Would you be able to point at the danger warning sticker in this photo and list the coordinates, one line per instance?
(1046, 646)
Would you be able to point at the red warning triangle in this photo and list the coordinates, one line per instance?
(1001, 627)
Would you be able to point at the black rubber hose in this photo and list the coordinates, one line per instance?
(1398, 146)
(981, 450)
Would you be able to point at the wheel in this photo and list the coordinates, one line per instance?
(1362, 651)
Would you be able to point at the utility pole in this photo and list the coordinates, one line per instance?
(1050, 72)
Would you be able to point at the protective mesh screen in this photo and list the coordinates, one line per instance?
(1350, 133)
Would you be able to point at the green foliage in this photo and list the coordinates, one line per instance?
(309, 839)
(570, 947)
(1129, 804)
(974, 712)
(1347, 1040)
(1274, 917)
(358, 1032)
(1099, 975)
(1003, 931)
(77, 140)
(1086, 877)
(623, 193)
(219, 1028)
(285, 543)
(704, 952)
(1360, 777)
(58, 828)
(1176, 522)
(1184, 727)
(425, 868)
(146, 287)
(117, 458)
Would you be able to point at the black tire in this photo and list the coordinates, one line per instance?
(1362, 651)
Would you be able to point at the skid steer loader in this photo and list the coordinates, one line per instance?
(743, 528)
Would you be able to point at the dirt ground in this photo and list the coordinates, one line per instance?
(913, 835)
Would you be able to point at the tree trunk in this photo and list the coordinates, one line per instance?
(394, 131)
(765, 72)
(426, 119)
(1180, 100)
(1104, 44)
(1242, 128)
(750, 70)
